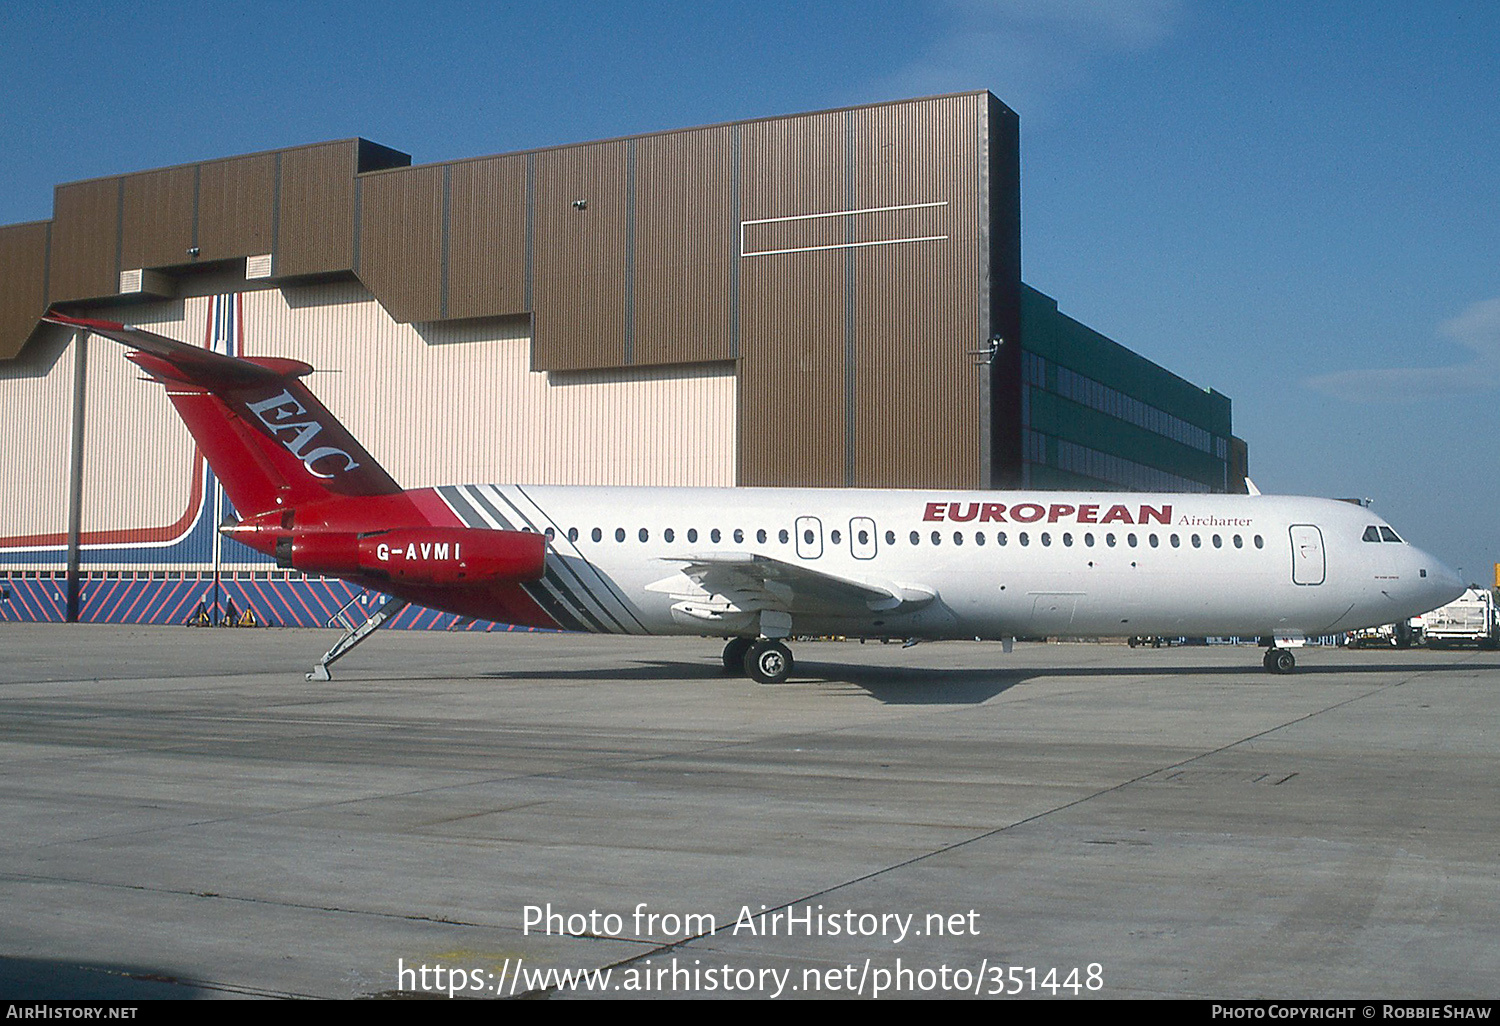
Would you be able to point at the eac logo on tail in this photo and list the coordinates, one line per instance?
(279, 414)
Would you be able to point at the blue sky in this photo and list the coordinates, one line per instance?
(1295, 203)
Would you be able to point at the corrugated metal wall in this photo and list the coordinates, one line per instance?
(401, 241)
(580, 278)
(36, 394)
(23, 272)
(459, 402)
(685, 217)
(449, 403)
(487, 238)
(85, 256)
(139, 466)
(315, 227)
(236, 206)
(860, 297)
(793, 311)
(160, 211)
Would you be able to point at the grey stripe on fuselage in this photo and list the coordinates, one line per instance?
(475, 512)
(585, 600)
(591, 582)
(558, 571)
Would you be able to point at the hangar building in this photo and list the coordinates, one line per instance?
(825, 299)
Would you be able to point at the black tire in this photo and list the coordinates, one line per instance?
(734, 655)
(1280, 660)
(768, 662)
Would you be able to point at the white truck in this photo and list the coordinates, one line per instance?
(1470, 619)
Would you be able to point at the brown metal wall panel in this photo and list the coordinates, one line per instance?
(315, 232)
(792, 313)
(236, 206)
(579, 292)
(684, 242)
(85, 240)
(401, 242)
(159, 213)
(23, 283)
(917, 393)
(487, 238)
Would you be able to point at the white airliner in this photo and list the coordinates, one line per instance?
(760, 565)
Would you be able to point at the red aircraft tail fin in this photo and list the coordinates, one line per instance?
(266, 436)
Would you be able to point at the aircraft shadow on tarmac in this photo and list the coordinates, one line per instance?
(39, 979)
(928, 685)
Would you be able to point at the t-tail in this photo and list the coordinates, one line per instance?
(267, 437)
(308, 494)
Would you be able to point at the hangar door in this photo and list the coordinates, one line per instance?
(1308, 565)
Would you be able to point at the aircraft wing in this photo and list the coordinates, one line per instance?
(756, 582)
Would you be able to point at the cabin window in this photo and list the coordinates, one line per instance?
(692, 534)
(835, 537)
(739, 536)
(1260, 542)
(916, 539)
(958, 537)
(783, 536)
(1197, 542)
(760, 536)
(572, 534)
(1088, 539)
(1046, 538)
(1239, 542)
(1155, 541)
(1067, 539)
(1025, 538)
(596, 534)
(1109, 539)
(1176, 542)
(978, 537)
(550, 533)
(714, 536)
(937, 538)
(1001, 538)
(668, 535)
(890, 537)
(619, 534)
(1130, 540)
(807, 536)
(643, 534)
(1218, 542)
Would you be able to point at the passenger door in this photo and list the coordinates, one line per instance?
(1308, 563)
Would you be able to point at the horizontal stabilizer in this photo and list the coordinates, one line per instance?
(199, 365)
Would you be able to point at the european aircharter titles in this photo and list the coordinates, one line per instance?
(758, 565)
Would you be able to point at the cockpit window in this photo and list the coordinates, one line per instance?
(1372, 533)
(1388, 535)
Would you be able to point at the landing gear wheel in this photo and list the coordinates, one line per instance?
(1280, 660)
(768, 662)
(734, 655)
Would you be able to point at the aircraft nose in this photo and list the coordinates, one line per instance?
(1441, 583)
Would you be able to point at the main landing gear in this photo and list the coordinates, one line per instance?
(763, 660)
(1280, 660)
